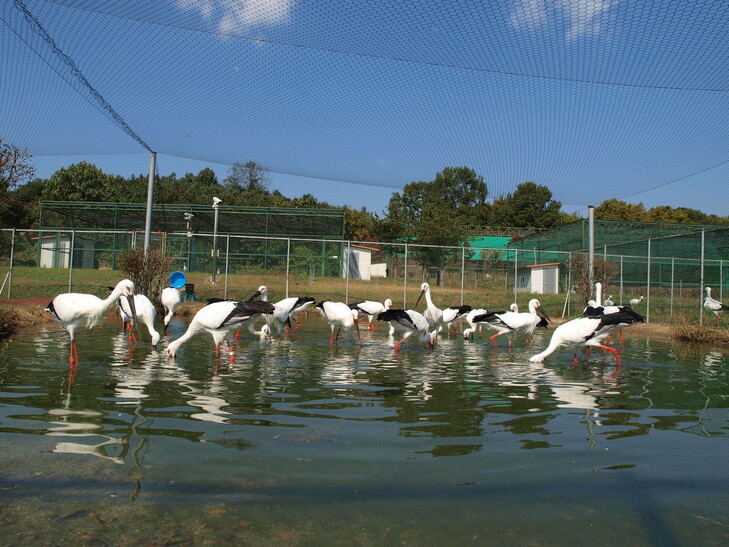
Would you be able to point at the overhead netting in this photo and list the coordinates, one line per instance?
(593, 99)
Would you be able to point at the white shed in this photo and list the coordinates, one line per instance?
(358, 263)
(55, 252)
(539, 278)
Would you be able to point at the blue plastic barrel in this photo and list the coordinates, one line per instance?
(178, 280)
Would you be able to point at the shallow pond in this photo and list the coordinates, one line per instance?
(302, 443)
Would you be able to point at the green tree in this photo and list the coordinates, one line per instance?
(84, 182)
(530, 205)
(436, 213)
(359, 225)
(615, 209)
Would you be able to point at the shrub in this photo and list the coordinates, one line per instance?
(150, 275)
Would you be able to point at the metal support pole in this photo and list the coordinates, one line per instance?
(591, 247)
(673, 271)
(621, 280)
(288, 264)
(150, 199)
(648, 287)
(463, 272)
(516, 267)
(701, 279)
(227, 262)
(70, 260)
(216, 206)
(346, 272)
(405, 281)
(12, 262)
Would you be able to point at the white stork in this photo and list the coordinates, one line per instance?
(218, 319)
(508, 322)
(714, 306)
(170, 299)
(432, 313)
(635, 301)
(454, 314)
(411, 322)
(78, 310)
(474, 326)
(371, 309)
(339, 315)
(145, 313)
(286, 308)
(590, 331)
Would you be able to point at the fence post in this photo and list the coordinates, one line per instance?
(70, 260)
(516, 266)
(227, 262)
(721, 280)
(621, 280)
(463, 272)
(12, 262)
(673, 268)
(346, 273)
(648, 286)
(701, 279)
(405, 280)
(288, 263)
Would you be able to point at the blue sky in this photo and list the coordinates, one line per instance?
(350, 101)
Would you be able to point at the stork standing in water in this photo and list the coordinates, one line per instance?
(473, 326)
(454, 314)
(218, 319)
(411, 322)
(509, 322)
(589, 331)
(170, 300)
(294, 305)
(371, 309)
(78, 310)
(339, 315)
(433, 315)
(281, 316)
(714, 306)
(145, 314)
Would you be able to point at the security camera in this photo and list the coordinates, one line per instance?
(217, 201)
(188, 216)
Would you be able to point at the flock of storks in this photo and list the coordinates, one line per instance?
(220, 318)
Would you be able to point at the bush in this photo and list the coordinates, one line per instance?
(149, 276)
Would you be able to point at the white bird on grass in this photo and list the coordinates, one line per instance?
(714, 306)
(79, 310)
(218, 319)
(411, 322)
(635, 301)
(509, 322)
(339, 315)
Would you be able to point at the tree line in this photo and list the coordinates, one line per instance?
(445, 211)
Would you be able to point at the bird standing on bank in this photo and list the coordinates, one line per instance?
(714, 306)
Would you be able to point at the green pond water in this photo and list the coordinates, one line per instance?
(300, 443)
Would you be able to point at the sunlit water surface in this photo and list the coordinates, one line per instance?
(302, 443)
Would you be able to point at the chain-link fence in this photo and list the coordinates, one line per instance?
(226, 265)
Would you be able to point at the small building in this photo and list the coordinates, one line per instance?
(358, 263)
(54, 251)
(538, 278)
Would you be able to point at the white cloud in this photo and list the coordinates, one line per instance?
(584, 16)
(528, 14)
(236, 16)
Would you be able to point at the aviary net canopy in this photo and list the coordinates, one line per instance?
(592, 99)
